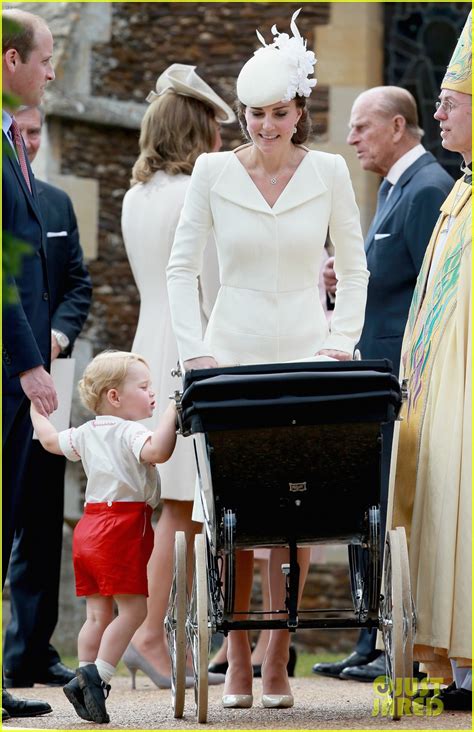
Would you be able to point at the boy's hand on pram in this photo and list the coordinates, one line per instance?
(202, 362)
(338, 355)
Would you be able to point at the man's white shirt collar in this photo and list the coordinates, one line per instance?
(403, 163)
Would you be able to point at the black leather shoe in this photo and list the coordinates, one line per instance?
(95, 692)
(366, 672)
(218, 668)
(335, 669)
(75, 695)
(23, 707)
(456, 700)
(424, 699)
(5, 715)
(56, 675)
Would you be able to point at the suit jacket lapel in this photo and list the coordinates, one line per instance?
(395, 195)
(32, 198)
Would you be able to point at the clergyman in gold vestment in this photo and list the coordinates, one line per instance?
(431, 474)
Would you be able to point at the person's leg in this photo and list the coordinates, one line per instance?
(221, 654)
(274, 671)
(116, 636)
(99, 614)
(258, 653)
(17, 432)
(238, 678)
(35, 575)
(150, 639)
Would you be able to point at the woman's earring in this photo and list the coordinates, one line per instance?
(295, 130)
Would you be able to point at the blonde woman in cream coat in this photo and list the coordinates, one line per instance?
(270, 204)
(181, 122)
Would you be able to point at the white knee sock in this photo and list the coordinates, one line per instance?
(105, 670)
(85, 663)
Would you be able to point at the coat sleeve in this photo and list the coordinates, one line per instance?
(185, 264)
(349, 263)
(20, 350)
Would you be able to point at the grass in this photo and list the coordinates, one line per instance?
(304, 663)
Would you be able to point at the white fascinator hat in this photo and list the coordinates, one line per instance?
(277, 72)
(183, 79)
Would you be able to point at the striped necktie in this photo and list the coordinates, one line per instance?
(20, 151)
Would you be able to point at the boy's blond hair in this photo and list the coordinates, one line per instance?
(107, 370)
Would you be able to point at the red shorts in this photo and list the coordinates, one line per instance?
(111, 547)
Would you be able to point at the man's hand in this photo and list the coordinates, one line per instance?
(203, 362)
(39, 388)
(55, 347)
(329, 276)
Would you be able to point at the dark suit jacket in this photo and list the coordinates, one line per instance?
(69, 281)
(27, 322)
(394, 261)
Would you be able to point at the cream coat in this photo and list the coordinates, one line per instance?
(150, 215)
(268, 307)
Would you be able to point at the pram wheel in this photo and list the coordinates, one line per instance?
(229, 562)
(365, 568)
(197, 627)
(175, 626)
(394, 621)
(409, 616)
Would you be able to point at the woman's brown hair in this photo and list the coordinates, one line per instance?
(303, 126)
(175, 130)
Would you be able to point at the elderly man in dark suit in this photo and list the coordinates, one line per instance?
(385, 133)
(27, 47)
(28, 655)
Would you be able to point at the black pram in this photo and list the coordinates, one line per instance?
(289, 454)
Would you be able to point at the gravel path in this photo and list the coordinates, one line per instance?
(319, 704)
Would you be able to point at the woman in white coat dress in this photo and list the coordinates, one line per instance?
(182, 122)
(270, 204)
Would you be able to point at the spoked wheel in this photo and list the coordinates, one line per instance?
(175, 626)
(391, 611)
(409, 616)
(229, 562)
(375, 560)
(365, 568)
(197, 628)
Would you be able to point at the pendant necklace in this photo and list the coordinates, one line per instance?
(273, 180)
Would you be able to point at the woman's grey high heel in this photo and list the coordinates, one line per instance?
(134, 661)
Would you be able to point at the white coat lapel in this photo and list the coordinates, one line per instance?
(235, 184)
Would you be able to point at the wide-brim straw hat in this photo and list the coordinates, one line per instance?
(183, 79)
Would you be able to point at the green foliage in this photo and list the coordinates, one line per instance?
(13, 251)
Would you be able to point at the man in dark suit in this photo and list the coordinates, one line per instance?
(27, 47)
(384, 130)
(28, 655)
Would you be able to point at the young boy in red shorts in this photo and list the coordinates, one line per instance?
(114, 538)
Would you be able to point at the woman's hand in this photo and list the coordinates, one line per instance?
(203, 362)
(338, 355)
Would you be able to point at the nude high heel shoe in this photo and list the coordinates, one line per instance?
(277, 701)
(237, 701)
(134, 661)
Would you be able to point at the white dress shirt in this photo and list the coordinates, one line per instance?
(402, 164)
(110, 449)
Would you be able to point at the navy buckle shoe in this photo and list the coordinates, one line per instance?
(95, 692)
(75, 695)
